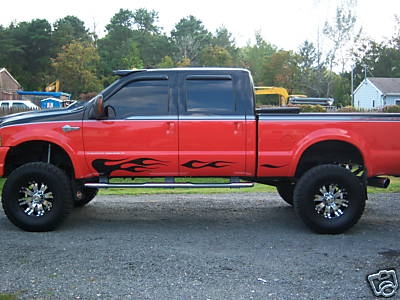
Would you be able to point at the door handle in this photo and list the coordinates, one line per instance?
(68, 128)
(170, 127)
(237, 127)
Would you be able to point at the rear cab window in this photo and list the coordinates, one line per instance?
(209, 95)
(212, 94)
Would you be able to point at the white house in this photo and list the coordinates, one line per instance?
(377, 92)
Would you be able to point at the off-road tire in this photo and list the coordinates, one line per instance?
(81, 194)
(286, 190)
(37, 197)
(329, 199)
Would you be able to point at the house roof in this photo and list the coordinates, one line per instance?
(386, 85)
(8, 73)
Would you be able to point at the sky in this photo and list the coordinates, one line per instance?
(283, 23)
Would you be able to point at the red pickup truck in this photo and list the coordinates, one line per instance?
(193, 122)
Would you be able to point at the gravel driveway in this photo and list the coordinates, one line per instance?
(219, 246)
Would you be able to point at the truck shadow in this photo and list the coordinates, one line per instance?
(201, 211)
(268, 212)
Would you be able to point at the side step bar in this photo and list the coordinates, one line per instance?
(170, 183)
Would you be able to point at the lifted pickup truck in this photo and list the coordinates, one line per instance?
(193, 122)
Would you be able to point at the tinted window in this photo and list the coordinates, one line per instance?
(209, 95)
(141, 98)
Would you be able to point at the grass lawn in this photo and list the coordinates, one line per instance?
(8, 297)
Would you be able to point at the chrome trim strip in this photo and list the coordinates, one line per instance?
(148, 118)
(170, 185)
(40, 123)
(212, 118)
(332, 117)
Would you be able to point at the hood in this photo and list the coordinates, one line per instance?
(45, 115)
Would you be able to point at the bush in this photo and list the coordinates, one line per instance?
(391, 109)
(348, 109)
(312, 108)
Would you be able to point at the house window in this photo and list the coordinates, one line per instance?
(397, 101)
(373, 103)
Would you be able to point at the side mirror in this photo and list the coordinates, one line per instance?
(97, 110)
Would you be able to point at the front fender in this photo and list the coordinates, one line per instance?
(51, 132)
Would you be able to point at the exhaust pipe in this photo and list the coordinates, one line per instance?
(380, 182)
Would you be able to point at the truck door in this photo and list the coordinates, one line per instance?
(140, 135)
(212, 130)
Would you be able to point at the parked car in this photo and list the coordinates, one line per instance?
(18, 104)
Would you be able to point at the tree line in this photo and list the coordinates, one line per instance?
(37, 53)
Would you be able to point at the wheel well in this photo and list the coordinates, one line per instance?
(34, 151)
(335, 152)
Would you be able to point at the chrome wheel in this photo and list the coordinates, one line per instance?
(37, 196)
(36, 199)
(329, 198)
(331, 201)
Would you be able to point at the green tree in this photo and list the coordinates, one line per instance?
(281, 70)
(311, 79)
(125, 56)
(151, 43)
(342, 36)
(190, 38)
(152, 48)
(145, 21)
(70, 29)
(26, 51)
(11, 50)
(122, 21)
(341, 89)
(215, 56)
(223, 39)
(255, 57)
(379, 60)
(395, 41)
(76, 68)
(166, 62)
(118, 49)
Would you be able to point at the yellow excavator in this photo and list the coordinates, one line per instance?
(53, 87)
(273, 90)
(285, 98)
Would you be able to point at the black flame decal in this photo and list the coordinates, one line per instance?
(272, 166)
(197, 164)
(106, 166)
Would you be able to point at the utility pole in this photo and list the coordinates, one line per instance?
(352, 86)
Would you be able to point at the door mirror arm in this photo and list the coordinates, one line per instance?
(97, 110)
